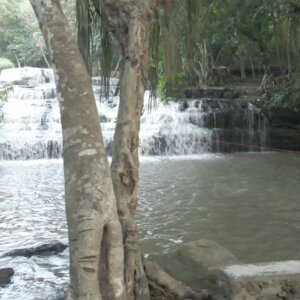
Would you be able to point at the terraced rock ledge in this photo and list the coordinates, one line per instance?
(265, 281)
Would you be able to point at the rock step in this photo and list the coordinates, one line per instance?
(265, 281)
(212, 92)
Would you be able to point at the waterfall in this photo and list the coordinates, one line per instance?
(169, 130)
(30, 125)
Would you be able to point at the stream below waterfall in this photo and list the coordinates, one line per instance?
(248, 202)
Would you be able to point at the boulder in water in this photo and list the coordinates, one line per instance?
(199, 265)
(45, 249)
(5, 276)
(103, 118)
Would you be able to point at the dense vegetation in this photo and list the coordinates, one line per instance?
(250, 37)
(21, 41)
(20, 38)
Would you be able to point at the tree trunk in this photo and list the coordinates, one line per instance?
(169, 44)
(95, 236)
(135, 21)
(295, 40)
(125, 162)
(45, 57)
(242, 68)
(288, 54)
(264, 57)
(252, 68)
(18, 62)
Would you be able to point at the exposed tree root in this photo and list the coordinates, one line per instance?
(164, 286)
(141, 281)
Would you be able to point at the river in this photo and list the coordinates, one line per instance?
(247, 202)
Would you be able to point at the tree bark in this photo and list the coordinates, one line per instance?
(169, 44)
(125, 162)
(295, 41)
(288, 54)
(134, 17)
(242, 68)
(95, 235)
(45, 57)
(18, 62)
(252, 68)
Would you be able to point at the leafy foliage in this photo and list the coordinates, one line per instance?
(20, 37)
(4, 91)
(284, 94)
(5, 63)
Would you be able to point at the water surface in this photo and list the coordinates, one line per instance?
(247, 202)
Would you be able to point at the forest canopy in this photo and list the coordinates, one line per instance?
(189, 38)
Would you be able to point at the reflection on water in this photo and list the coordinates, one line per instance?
(249, 203)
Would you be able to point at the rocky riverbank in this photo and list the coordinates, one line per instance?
(213, 271)
(208, 269)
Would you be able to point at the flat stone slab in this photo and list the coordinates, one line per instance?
(289, 267)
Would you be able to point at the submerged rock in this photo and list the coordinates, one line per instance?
(45, 249)
(5, 276)
(199, 265)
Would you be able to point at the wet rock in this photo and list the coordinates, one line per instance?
(284, 138)
(183, 105)
(20, 82)
(103, 119)
(61, 295)
(108, 145)
(5, 276)
(45, 249)
(212, 92)
(274, 287)
(54, 149)
(198, 264)
(284, 131)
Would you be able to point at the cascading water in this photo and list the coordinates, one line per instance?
(168, 130)
(30, 126)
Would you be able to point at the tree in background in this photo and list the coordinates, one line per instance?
(188, 39)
